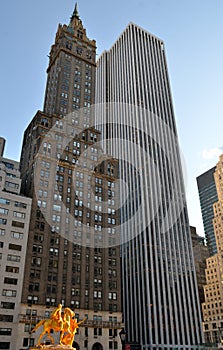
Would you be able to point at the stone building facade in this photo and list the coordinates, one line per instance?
(14, 227)
(73, 254)
(213, 290)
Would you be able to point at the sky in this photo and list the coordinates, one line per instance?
(192, 31)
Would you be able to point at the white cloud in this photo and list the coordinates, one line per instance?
(211, 153)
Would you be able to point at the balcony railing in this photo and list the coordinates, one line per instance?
(30, 319)
(87, 323)
(103, 324)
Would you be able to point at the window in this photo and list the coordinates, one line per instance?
(40, 225)
(46, 174)
(7, 305)
(42, 193)
(11, 185)
(34, 287)
(38, 237)
(41, 203)
(79, 50)
(9, 165)
(17, 214)
(17, 235)
(114, 296)
(4, 201)
(54, 251)
(3, 221)
(44, 122)
(15, 258)
(10, 175)
(57, 207)
(37, 248)
(68, 45)
(77, 304)
(52, 276)
(4, 345)
(57, 197)
(112, 307)
(56, 218)
(31, 299)
(2, 232)
(5, 331)
(18, 224)
(34, 273)
(13, 269)
(9, 280)
(20, 205)
(46, 147)
(15, 247)
(36, 261)
(9, 293)
(4, 211)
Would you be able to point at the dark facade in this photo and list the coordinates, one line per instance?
(201, 253)
(208, 196)
(73, 251)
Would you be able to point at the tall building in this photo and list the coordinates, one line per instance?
(208, 196)
(135, 114)
(201, 253)
(212, 308)
(71, 71)
(14, 227)
(70, 258)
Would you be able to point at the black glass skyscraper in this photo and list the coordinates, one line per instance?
(208, 196)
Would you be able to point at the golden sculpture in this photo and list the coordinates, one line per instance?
(63, 322)
(68, 337)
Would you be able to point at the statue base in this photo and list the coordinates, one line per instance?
(52, 347)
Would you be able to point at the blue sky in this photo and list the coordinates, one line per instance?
(192, 31)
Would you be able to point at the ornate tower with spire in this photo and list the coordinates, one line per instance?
(71, 70)
(65, 263)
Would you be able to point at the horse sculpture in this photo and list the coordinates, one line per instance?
(65, 324)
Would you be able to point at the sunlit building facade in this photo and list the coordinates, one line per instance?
(212, 308)
(135, 113)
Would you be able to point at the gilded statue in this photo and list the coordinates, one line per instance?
(63, 322)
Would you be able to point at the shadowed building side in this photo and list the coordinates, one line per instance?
(70, 260)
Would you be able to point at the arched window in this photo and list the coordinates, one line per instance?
(76, 346)
(97, 346)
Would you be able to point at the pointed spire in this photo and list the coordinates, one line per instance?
(75, 13)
